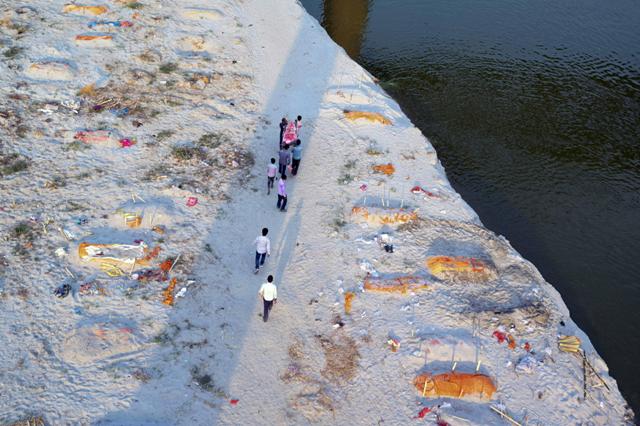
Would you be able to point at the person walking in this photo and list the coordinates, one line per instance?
(283, 127)
(271, 175)
(263, 248)
(298, 124)
(282, 194)
(284, 159)
(296, 156)
(269, 294)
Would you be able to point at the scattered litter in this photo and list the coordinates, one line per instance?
(151, 275)
(182, 292)
(526, 365)
(502, 337)
(168, 292)
(61, 252)
(62, 291)
(421, 190)
(386, 169)
(367, 267)
(423, 413)
(569, 343)
(116, 24)
(192, 201)
(68, 235)
(348, 298)
(234, 401)
(159, 229)
(394, 344)
(126, 142)
(111, 270)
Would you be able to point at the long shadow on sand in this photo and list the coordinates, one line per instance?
(209, 327)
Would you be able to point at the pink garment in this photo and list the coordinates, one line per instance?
(282, 188)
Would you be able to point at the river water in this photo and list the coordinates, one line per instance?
(534, 110)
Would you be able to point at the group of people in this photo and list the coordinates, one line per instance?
(288, 160)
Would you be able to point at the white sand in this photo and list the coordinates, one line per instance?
(115, 354)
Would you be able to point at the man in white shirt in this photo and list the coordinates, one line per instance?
(269, 293)
(263, 248)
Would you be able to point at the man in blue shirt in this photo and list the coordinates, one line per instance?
(296, 156)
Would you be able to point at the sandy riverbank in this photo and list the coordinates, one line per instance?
(200, 88)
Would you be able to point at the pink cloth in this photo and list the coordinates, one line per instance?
(282, 188)
(192, 201)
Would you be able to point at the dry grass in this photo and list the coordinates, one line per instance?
(341, 357)
(30, 421)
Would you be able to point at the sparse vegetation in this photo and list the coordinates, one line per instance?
(212, 140)
(22, 231)
(206, 382)
(165, 134)
(346, 176)
(185, 153)
(135, 5)
(156, 172)
(12, 163)
(77, 146)
(161, 339)
(373, 151)
(12, 52)
(22, 131)
(168, 67)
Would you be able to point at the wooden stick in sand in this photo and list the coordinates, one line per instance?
(69, 272)
(584, 355)
(174, 262)
(584, 377)
(505, 415)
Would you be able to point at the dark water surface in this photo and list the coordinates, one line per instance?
(534, 109)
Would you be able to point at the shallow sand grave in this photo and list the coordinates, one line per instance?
(179, 338)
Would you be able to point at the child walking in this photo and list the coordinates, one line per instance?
(271, 175)
(282, 193)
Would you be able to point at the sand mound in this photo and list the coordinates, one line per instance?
(202, 14)
(98, 342)
(50, 71)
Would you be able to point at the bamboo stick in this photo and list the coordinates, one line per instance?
(505, 415)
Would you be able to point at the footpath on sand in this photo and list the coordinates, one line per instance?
(395, 304)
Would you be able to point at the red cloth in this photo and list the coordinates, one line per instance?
(500, 336)
(423, 412)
